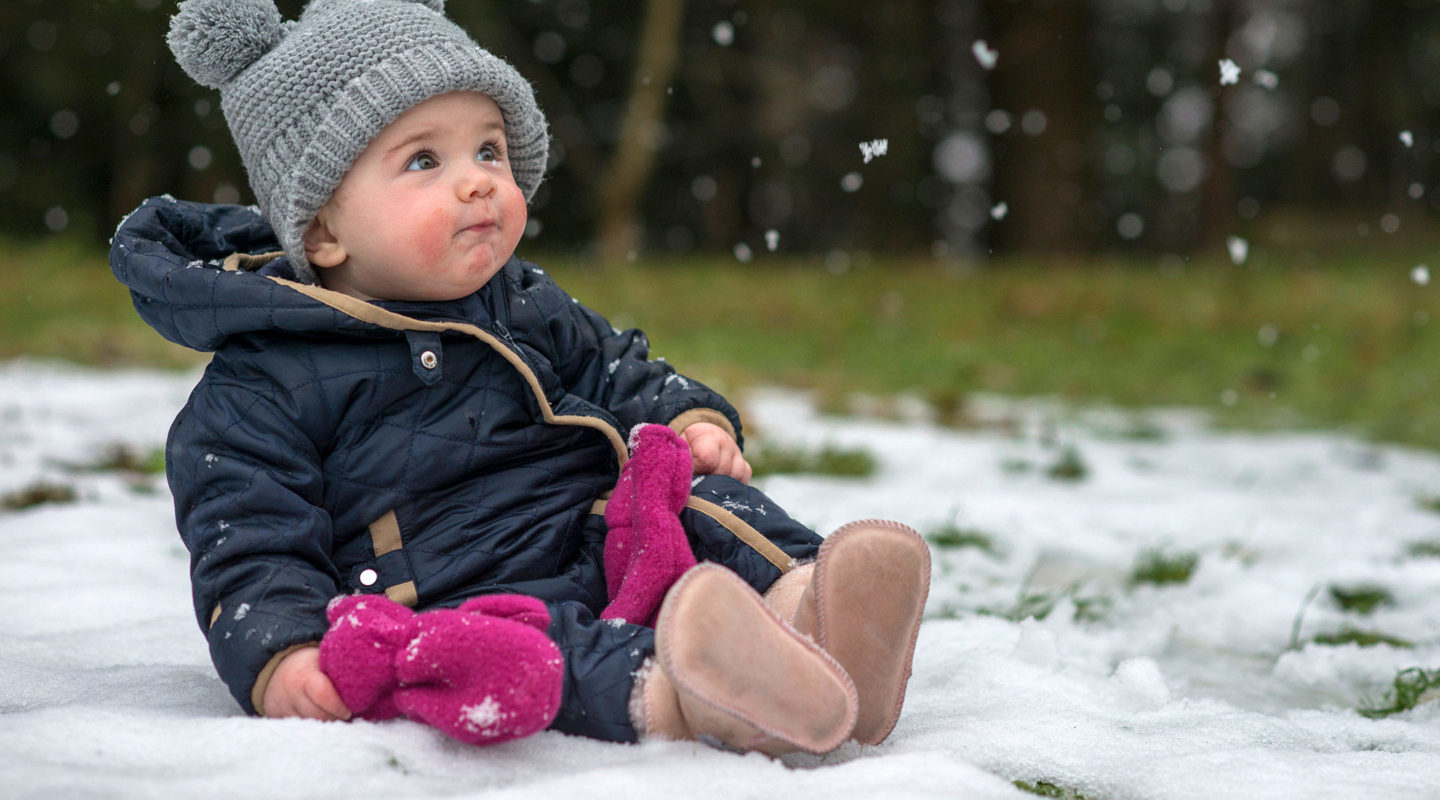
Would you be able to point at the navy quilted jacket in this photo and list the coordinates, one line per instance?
(432, 451)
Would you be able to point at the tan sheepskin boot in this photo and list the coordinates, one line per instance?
(729, 673)
(862, 600)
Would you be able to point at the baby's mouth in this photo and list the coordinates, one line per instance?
(484, 226)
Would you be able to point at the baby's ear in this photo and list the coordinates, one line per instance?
(321, 247)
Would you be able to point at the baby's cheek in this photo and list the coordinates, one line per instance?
(512, 222)
(429, 235)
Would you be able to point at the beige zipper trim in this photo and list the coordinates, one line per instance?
(744, 532)
(365, 312)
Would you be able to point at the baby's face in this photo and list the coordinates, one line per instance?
(430, 209)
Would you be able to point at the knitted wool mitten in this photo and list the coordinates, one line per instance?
(483, 673)
(646, 549)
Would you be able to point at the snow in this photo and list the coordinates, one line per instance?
(485, 714)
(1184, 690)
(874, 149)
(1238, 248)
(1229, 72)
(723, 33)
(984, 55)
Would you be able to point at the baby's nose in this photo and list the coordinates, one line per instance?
(475, 181)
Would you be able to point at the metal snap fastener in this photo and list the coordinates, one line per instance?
(368, 577)
(429, 360)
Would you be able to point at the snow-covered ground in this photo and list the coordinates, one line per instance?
(1121, 690)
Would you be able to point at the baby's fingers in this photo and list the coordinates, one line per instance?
(322, 696)
(704, 455)
(742, 470)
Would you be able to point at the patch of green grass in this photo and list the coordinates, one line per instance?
(841, 462)
(59, 300)
(1048, 789)
(1355, 636)
(1157, 567)
(1430, 549)
(37, 494)
(1428, 502)
(952, 536)
(1069, 466)
(1354, 349)
(1408, 690)
(125, 458)
(1039, 605)
(1361, 599)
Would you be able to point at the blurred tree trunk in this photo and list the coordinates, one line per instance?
(1217, 191)
(1043, 79)
(618, 194)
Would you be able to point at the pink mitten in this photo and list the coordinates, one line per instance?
(357, 653)
(479, 678)
(646, 549)
(516, 607)
(483, 673)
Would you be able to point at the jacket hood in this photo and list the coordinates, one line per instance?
(175, 257)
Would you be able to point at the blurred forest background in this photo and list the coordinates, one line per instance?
(1222, 203)
(1009, 126)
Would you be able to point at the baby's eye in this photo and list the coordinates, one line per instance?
(490, 152)
(422, 161)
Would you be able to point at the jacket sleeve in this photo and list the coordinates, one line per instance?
(247, 485)
(613, 369)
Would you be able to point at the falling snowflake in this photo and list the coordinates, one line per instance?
(1239, 249)
(772, 240)
(999, 210)
(1266, 78)
(874, 148)
(1407, 138)
(1229, 72)
(723, 33)
(852, 182)
(984, 54)
(1420, 275)
(742, 253)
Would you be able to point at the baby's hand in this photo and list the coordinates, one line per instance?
(713, 452)
(299, 689)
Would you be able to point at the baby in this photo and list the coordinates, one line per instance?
(405, 480)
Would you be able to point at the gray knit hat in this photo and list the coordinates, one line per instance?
(303, 98)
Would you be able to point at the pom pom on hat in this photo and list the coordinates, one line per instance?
(213, 40)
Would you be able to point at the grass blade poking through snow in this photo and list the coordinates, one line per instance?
(1048, 789)
(1157, 567)
(1361, 599)
(1411, 687)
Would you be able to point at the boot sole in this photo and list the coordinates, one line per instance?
(770, 678)
(871, 581)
